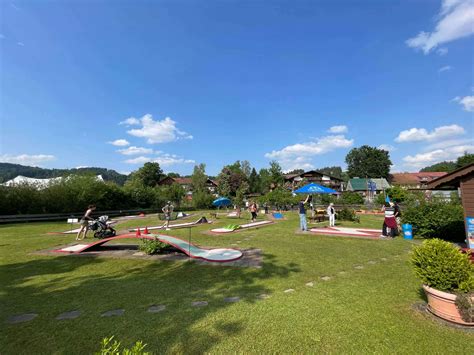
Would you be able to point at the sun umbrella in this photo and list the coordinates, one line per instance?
(315, 189)
(222, 201)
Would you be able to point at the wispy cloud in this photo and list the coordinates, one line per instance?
(130, 121)
(387, 147)
(27, 159)
(421, 134)
(445, 68)
(467, 102)
(119, 142)
(421, 160)
(455, 20)
(338, 129)
(299, 155)
(162, 159)
(156, 131)
(135, 150)
(442, 51)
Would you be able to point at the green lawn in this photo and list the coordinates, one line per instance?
(365, 310)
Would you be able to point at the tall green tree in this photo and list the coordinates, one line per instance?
(276, 174)
(254, 181)
(199, 178)
(367, 161)
(335, 171)
(464, 160)
(230, 179)
(265, 181)
(148, 175)
(246, 168)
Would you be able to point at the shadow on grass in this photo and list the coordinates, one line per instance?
(95, 285)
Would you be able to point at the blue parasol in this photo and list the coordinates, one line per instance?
(315, 189)
(222, 201)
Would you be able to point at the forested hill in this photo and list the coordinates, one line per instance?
(9, 171)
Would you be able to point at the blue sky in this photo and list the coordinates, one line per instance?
(117, 83)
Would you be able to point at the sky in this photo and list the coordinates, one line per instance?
(115, 84)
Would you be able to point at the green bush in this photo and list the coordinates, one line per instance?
(347, 214)
(351, 198)
(436, 219)
(109, 346)
(441, 265)
(151, 246)
(202, 200)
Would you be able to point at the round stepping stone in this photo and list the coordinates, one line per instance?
(68, 315)
(20, 318)
(199, 304)
(263, 296)
(289, 290)
(310, 284)
(113, 313)
(232, 299)
(156, 309)
(326, 278)
(358, 267)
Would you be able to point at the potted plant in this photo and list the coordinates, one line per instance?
(448, 280)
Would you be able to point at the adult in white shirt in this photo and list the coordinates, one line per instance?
(331, 211)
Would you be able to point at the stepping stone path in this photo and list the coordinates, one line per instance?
(358, 267)
(113, 313)
(156, 309)
(326, 278)
(22, 318)
(310, 284)
(232, 299)
(68, 315)
(200, 304)
(289, 290)
(263, 296)
(371, 262)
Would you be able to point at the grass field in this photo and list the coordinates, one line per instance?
(358, 310)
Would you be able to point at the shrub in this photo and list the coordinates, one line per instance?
(202, 200)
(109, 346)
(436, 219)
(347, 214)
(151, 246)
(351, 198)
(441, 265)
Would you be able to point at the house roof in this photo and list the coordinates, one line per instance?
(359, 184)
(292, 176)
(453, 178)
(415, 178)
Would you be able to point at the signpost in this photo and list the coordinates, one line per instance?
(71, 221)
(470, 232)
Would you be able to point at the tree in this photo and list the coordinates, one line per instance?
(199, 178)
(148, 175)
(230, 179)
(265, 181)
(173, 175)
(254, 181)
(246, 169)
(368, 162)
(276, 174)
(335, 171)
(464, 160)
(173, 193)
(296, 172)
(445, 166)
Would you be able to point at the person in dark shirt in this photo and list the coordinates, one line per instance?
(302, 213)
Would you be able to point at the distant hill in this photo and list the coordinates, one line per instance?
(9, 171)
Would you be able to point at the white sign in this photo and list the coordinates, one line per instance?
(72, 220)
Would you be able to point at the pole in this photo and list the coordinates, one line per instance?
(189, 243)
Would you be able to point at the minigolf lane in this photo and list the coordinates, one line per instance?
(240, 227)
(192, 250)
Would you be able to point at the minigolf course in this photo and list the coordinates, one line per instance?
(233, 228)
(192, 250)
(202, 220)
(348, 232)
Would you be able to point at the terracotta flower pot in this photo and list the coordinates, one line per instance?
(442, 304)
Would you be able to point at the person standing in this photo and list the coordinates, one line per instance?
(253, 210)
(331, 211)
(85, 222)
(397, 214)
(302, 213)
(167, 210)
(389, 228)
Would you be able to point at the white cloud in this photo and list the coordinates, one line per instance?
(162, 159)
(445, 68)
(387, 147)
(299, 155)
(450, 143)
(135, 150)
(455, 21)
(338, 129)
(20, 44)
(421, 160)
(131, 121)
(442, 51)
(26, 159)
(158, 131)
(466, 101)
(82, 167)
(421, 134)
(119, 142)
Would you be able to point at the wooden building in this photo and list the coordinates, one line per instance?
(463, 180)
(411, 181)
(187, 183)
